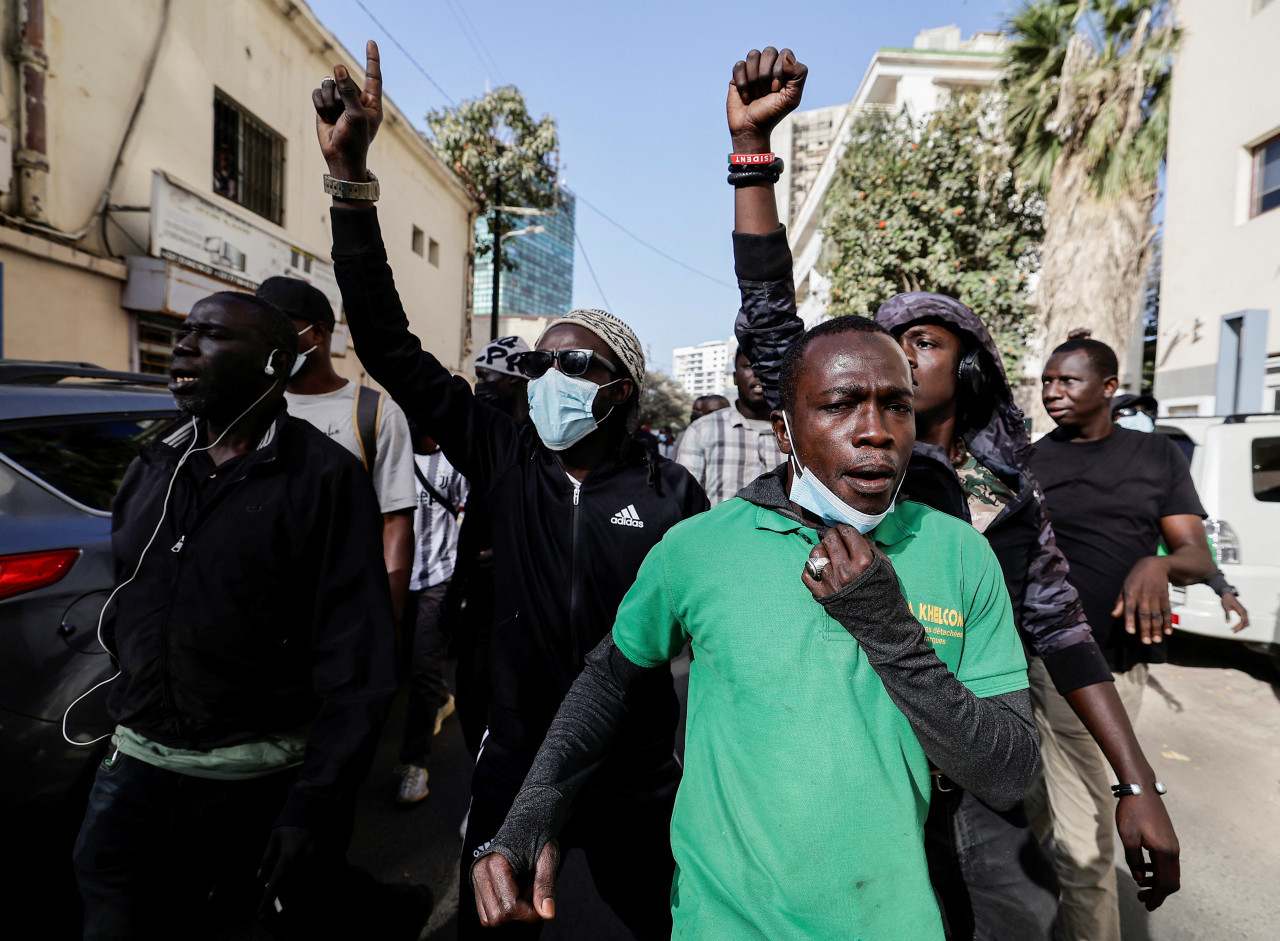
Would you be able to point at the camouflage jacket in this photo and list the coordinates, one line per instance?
(1046, 606)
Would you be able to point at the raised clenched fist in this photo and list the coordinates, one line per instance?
(766, 87)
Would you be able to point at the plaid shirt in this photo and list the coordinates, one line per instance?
(725, 451)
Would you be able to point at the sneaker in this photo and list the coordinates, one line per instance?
(413, 785)
(448, 709)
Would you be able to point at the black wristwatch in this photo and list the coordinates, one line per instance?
(1133, 790)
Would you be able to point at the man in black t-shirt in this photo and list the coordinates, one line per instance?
(1113, 495)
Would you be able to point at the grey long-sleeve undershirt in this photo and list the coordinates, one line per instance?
(576, 745)
(988, 746)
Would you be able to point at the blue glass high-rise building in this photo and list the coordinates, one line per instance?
(542, 285)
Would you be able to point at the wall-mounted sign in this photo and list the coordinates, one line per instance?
(197, 232)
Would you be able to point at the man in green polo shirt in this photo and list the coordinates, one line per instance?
(827, 676)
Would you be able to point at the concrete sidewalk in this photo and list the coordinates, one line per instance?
(1210, 725)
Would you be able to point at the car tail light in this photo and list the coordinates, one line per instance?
(1222, 541)
(31, 570)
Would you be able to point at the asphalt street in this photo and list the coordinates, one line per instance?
(1210, 724)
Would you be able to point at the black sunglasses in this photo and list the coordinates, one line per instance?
(536, 363)
(1128, 412)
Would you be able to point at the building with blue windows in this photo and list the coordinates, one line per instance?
(541, 287)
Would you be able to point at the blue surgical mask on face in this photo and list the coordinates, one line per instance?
(1139, 421)
(809, 492)
(561, 408)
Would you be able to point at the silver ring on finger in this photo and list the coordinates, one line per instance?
(814, 566)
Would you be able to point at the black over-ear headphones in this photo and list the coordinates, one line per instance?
(973, 377)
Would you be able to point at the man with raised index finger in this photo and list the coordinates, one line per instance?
(576, 504)
(800, 818)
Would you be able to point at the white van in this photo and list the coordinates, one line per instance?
(1235, 463)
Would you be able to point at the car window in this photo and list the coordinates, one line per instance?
(1266, 469)
(85, 460)
(20, 498)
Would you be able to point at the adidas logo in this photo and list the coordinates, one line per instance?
(628, 517)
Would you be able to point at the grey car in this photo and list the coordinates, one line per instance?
(68, 431)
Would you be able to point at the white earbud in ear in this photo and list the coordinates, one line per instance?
(270, 370)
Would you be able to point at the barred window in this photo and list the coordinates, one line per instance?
(157, 334)
(248, 159)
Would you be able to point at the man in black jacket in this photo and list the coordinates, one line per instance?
(989, 872)
(761, 853)
(254, 634)
(575, 504)
(972, 460)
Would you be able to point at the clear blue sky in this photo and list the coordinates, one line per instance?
(638, 91)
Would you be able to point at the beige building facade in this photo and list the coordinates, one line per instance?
(1218, 346)
(218, 184)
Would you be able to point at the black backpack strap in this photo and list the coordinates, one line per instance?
(439, 497)
(368, 415)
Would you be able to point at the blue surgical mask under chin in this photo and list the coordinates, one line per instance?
(813, 495)
(561, 408)
(297, 363)
(1137, 422)
(302, 357)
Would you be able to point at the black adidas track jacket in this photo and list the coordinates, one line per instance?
(564, 556)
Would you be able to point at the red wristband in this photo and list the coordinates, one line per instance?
(751, 160)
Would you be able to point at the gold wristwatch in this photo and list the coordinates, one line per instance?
(346, 189)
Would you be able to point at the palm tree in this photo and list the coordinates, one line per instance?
(1088, 119)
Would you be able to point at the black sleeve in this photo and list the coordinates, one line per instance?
(1178, 491)
(1052, 617)
(352, 654)
(988, 746)
(767, 322)
(1220, 585)
(576, 745)
(478, 440)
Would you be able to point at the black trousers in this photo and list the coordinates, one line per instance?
(428, 687)
(471, 627)
(165, 855)
(627, 844)
(992, 880)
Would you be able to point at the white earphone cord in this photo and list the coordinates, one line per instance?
(164, 510)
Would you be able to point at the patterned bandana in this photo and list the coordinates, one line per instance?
(617, 336)
(501, 355)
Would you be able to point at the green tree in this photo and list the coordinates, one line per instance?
(932, 205)
(502, 155)
(1088, 120)
(664, 403)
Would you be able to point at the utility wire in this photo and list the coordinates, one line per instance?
(651, 247)
(406, 52)
(487, 61)
(583, 248)
(582, 199)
